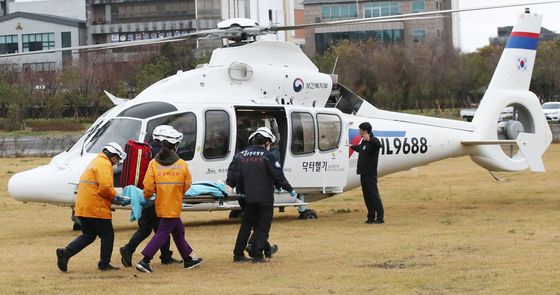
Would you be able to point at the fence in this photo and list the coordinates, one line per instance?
(37, 146)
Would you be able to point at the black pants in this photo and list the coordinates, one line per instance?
(371, 197)
(258, 216)
(92, 228)
(244, 235)
(147, 223)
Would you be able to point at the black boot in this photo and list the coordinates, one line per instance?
(269, 252)
(107, 267)
(126, 256)
(62, 259)
(168, 258)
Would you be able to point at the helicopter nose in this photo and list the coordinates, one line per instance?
(49, 183)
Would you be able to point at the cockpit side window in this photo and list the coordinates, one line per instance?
(217, 135)
(184, 123)
(303, 133)
(118, 130)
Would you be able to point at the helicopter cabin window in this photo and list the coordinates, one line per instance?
(217, 135)
(146, 110)
(119, 130)
(329, 131)
(184, 123)
(303, 133)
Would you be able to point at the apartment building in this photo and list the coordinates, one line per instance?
(425, 30)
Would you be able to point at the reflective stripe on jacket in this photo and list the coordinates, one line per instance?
(95, 190)
(169, 183)
(255, 172)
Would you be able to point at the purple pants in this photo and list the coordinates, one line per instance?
(173, 226)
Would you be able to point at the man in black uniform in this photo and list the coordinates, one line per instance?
(255, 172)
(368, 155)
(147, 223)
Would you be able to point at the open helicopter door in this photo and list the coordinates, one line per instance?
(251, 118)
(317, 160)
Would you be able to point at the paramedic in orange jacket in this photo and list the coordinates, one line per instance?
(93, 207)
(169, 178)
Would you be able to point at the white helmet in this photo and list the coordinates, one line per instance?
(115, 148)
(167, 133)
(265, 132)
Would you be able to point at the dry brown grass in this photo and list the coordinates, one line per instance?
(450, 229)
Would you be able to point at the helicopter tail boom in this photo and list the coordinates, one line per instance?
(495, 134)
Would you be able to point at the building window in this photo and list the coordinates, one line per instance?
(40, 66)
(35, 42)
(8, 44)
(419, 6)
(9, 67)
(123, 12)
(209, 8)
(381, 9)
(339, 11)
(419, 35)
(325, 40)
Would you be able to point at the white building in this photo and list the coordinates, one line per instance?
(24, 32)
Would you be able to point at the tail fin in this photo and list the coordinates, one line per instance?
(515, 68)
(510, 87)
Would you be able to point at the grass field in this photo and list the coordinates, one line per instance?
(450, 229)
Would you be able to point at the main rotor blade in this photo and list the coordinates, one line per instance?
(400, 16)
(119, 44)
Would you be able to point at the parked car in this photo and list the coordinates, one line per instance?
(552, 111)
(505, 115)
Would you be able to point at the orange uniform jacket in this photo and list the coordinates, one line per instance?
(95, 190)
(170, 184)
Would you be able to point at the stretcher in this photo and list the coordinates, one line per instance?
(209, 202)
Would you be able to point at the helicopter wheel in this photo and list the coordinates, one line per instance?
(235, 214)
(308, 214)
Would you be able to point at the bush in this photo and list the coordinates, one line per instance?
(56, 125)
(9, 125)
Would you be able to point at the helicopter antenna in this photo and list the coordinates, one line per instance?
(334, 66)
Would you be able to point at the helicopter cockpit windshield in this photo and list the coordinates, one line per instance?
(119, 130)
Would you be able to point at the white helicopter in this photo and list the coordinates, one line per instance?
(269, 83)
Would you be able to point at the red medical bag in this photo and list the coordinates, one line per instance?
(136, 163)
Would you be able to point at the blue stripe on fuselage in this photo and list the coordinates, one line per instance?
(377, 133)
